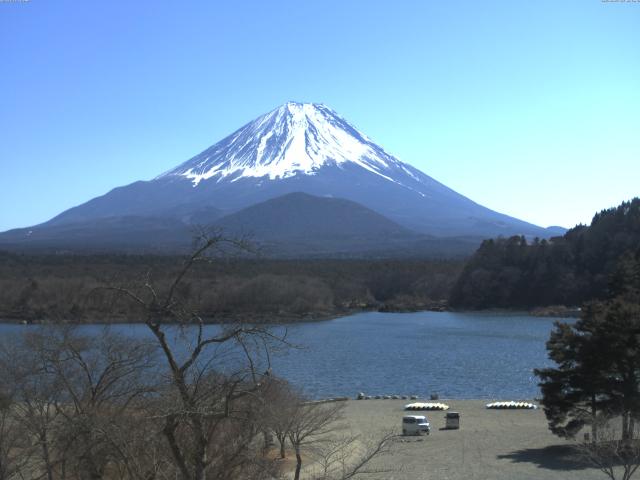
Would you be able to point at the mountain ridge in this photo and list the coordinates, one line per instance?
(282, 227)
(299, 147)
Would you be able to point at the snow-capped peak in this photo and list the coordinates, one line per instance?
(295, 138)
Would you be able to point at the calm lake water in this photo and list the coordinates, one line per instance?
(456, 355)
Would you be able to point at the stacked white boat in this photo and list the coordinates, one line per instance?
(418, 406)
(511, 405)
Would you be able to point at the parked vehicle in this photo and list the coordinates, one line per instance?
(452, 420)
(415, 425)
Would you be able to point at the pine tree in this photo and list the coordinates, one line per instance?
(598, 369)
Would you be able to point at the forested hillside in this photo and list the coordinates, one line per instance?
(71, 287)
(581, 265)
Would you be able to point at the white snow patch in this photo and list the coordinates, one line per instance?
(296, 138)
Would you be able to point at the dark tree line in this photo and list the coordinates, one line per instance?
(66, 287)
(567, 270)
(595, 382)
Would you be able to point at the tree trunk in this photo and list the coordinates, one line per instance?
(282, 440)
(298, 463)
(625, 426)
(46, 456)
(201, 463)
(594, 420)
(169, 433)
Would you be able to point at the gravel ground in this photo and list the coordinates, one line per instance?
(491, 444)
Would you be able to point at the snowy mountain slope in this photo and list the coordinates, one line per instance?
(300, 147)
(296, 138)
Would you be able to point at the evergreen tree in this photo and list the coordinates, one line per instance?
(598, 368)
(587, 263)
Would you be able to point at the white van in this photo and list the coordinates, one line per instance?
(415, 425)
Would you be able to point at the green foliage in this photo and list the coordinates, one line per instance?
(598, 367)
(586, 263)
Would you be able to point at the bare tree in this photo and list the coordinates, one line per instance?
(185, 403)
(15, 450)
(614, 452)
(141, 451)
(80, 403)
(310, 424)
(347, 456)
(38, 398)
(316, 429)
(207, 402)
(77, 393)
(281, 403)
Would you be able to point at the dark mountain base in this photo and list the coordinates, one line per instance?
(296, 225)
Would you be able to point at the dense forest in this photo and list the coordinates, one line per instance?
(76, 288)
(512, 273)
(584, 264)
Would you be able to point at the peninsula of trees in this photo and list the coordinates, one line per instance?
(584, 264)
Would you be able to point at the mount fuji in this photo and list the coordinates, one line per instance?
(298, 147)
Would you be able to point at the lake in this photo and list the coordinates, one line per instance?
(456, 355)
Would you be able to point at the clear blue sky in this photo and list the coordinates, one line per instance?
(530, 108)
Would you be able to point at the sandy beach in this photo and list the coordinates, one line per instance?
(491, 444)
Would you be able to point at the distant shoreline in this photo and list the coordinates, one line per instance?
(224, 319)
